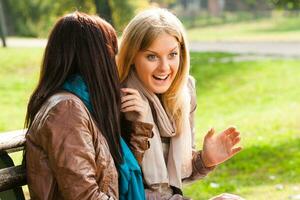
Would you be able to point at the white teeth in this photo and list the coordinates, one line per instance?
(161, 77)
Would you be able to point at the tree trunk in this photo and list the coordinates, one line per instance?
(214, 8)
(184, 4)
(2, 25)
(104, 10)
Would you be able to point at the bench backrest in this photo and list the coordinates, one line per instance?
(12, 176)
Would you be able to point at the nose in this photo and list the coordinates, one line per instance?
(164, 65)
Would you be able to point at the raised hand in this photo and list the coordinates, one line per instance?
(219, 148)
(132, 105)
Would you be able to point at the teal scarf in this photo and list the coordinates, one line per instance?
(130, 176)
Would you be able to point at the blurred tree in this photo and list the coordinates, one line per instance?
(215, 7)
(167, 3)
(248, 5)
(103, 8)
(287, 4)
(26, 18)
(184, 3)
(124, 10)
(2, 25)
(34, 18)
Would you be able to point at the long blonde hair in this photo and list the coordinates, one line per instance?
(139, 34)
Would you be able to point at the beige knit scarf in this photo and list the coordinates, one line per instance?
(179, 163)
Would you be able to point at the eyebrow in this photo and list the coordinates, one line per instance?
(156, 53)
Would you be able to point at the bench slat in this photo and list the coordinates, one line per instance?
(12, 139)
(12, 177)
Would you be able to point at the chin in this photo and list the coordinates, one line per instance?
(161, 91)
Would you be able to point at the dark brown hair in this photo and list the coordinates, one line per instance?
(86, 45)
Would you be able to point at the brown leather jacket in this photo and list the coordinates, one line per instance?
(67, 157)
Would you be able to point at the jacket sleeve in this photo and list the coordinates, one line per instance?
(199, 169)
(137, 135)
(71, 152)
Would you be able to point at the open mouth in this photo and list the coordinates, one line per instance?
(161, 77)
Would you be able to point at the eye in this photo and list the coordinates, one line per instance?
(173, 55)
(151, 57)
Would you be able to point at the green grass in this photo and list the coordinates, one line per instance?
(275, 28)
(261, 98)
(19, 69)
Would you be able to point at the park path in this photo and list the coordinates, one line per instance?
(26, 42)
(276, 48)
(280, 49)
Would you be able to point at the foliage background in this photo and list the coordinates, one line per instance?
(34, 18)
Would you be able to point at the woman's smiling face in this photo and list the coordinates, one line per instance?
(157, 65)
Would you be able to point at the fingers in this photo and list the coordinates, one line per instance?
(131, 101)
(132, 105)
(229, 130)
(130, 91)
(210, 133)
(129, 98)
(129, 108)
(232, 133)
(230, 146)
(232, 141)
(232, 137)
(236, 140)
(236, 150)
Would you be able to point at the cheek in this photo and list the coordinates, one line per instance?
(175, 65)
(144, 69)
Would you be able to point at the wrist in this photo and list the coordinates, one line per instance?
(207, 163)
(140, 119)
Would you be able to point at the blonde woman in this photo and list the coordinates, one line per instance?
(153, 64)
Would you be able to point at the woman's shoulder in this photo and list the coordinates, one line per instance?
(62, 107)
(64, 101)
(61, 115)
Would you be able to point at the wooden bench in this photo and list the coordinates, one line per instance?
(11, 177)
